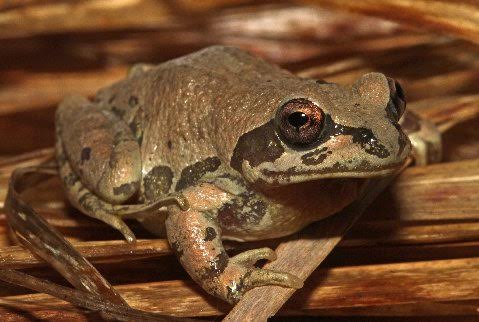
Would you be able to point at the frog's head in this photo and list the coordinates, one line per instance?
(324, 131)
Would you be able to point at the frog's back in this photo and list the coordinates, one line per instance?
(171, 108)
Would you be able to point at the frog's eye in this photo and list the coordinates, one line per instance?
(300, 121)
(397, 104)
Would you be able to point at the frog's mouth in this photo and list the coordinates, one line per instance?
(295, 175)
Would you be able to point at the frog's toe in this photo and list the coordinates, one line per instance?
(262, 277)
(250, 257)
(251, 278)
(123, 228)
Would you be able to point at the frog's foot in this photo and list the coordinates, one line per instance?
(425, 138)
(90, 204)
(240, 275)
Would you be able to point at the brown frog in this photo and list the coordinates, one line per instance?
(219, 145)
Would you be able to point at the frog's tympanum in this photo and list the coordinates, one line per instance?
(220, 145)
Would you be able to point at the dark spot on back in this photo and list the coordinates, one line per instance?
(133, 101)
(85, 154)
(111, 99)
(321, 81)
(193, 173)
(118, 112)
(133, 126)
(126, 189)
(157, 182)
(169, 144)
(90, 203)
(136, 125)
(137, 131)
(210, 234)
(257, 146)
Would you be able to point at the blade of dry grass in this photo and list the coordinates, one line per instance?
(93, 302)
(456, 18)
(437, 191)
(447, 111)
(40, 90)
(16, 257)
(94, 15)
(367, 235)
(38, 18)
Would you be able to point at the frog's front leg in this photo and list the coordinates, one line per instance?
(425, 138)
(195, 236)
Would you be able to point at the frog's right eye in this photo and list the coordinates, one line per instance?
(300, 121)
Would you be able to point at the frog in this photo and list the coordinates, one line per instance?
(222, 145)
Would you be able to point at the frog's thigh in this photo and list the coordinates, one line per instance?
(88, 202)
(195, 236)
(100, 148)
(425, 138)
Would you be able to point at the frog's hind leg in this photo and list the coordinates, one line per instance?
(99, 160)
(90, 204)
(100, 148)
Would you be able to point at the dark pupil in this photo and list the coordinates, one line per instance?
(298, 119)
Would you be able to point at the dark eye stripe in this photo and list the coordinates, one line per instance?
(360, 135)
(257, 146)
